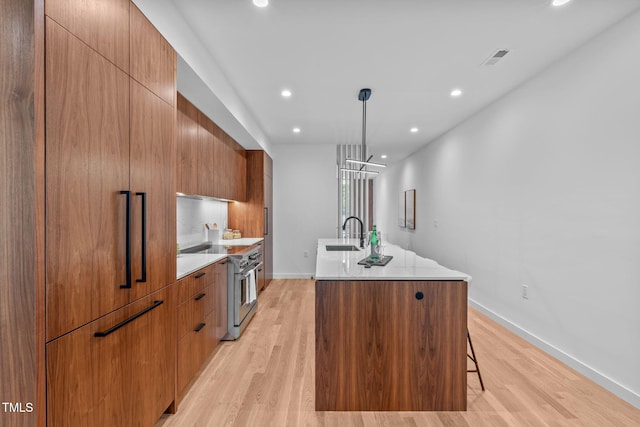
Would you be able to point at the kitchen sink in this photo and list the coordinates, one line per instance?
(341, 248)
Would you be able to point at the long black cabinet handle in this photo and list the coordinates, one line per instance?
(199, 275)
(199, 328)
(200, 296)
(266, 221)
(127, 285)
(126, 321)
(143, 249)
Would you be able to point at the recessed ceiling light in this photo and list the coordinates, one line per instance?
(296, 130)
(286, 93)
(261, 3)
(384, 156)
(414, 130)
(559, 2)
(456, 92)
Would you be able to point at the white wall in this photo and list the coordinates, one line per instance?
(543, 188)
(305, 200)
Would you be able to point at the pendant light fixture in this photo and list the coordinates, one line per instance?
(364, 96)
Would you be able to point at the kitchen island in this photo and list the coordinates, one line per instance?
(389, 338)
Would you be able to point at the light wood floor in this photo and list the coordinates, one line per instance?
(267, 379)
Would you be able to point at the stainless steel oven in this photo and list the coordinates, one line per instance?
(242, 292)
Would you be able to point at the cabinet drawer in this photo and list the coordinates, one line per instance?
(194, 349)
(195, 282)
(109, 371)
(192, 312)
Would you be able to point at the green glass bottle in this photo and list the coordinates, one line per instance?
(374, 243)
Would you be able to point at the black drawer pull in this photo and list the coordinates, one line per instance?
(199, 328)
(419, 295)
(129, 320)
(199, 275)
(200, 296)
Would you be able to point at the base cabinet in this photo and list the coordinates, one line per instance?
(201, 307)
(117, 370)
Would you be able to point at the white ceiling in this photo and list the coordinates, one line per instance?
(411, 53)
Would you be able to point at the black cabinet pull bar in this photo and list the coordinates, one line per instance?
(143, 249)
(129, 320)
(199, 275)
(266, 221)
(200, 296)
(199, 328)
(127, 234)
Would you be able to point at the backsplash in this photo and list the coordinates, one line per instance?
(191, 216)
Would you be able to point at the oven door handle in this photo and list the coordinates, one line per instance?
(253, 268)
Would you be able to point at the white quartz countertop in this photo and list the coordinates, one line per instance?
(405, 265)
(189, 263)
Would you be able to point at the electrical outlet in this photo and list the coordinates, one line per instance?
(525, 291)
(306, 254)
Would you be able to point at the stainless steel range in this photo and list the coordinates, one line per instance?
(242, 291)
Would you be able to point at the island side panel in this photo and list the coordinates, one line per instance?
(379, 348)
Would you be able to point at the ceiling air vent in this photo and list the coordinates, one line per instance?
(496, 56)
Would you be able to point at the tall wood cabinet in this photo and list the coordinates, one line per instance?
(255, 216)
(21, 212)
(110, 215)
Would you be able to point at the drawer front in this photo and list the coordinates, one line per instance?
(123, 371)
(193, 283)
(194, 349)
(192, 312)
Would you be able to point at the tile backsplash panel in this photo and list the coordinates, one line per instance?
(191, 216)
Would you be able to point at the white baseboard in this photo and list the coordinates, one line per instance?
(293, 275)
(619, 390)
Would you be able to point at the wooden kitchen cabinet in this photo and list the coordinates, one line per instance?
(123, 378)
(101, 24)
(236, 156)
(106, 134)
(187, 143)
(202, 301)
(109, 166)
(87, 165)
(207, 162)
(153, 60)
(212, 164)
(152, 180)
(255, 216)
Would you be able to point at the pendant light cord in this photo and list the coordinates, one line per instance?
(364, 130)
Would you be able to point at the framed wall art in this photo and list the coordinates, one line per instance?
(401, 210)
(410, 209)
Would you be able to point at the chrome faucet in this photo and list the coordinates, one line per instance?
(361, 229)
